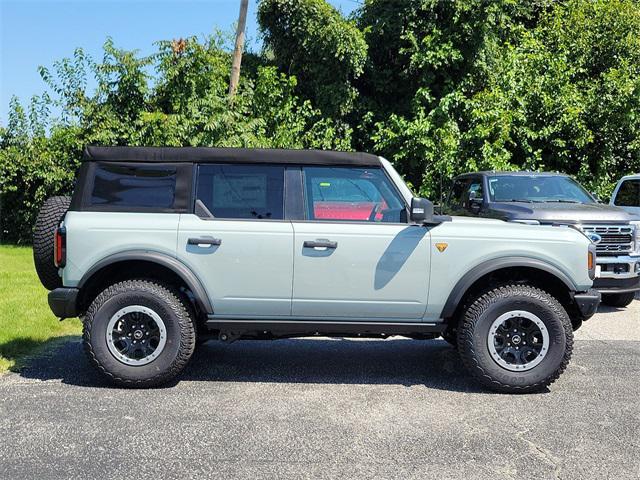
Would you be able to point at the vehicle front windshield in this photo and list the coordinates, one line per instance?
(537, 188)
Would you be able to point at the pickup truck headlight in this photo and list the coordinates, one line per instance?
(636, 237)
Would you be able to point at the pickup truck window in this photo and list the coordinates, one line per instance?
(351, 194)
(242, 191)
(461, 190)
(628, 194)
(536, 188)
(456, 197)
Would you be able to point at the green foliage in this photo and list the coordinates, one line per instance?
(311, 40)
(438, 87)
(565, 98)
(184, 103)
(26, 322)
(466, 85)
(427, 59)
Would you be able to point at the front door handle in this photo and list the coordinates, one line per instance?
(319, 244)
(204, 241)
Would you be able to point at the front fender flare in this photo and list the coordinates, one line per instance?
(490, 266)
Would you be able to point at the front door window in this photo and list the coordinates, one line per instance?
(351, 194)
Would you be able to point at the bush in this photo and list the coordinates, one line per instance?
(185, 105)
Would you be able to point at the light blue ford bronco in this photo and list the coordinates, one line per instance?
(161, 248)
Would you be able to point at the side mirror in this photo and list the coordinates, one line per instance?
(421, 210)
(475, 202)
(595, 195)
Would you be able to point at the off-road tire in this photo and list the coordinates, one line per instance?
(47, 221)
(175, 313)
(618, 300)
(485, 309)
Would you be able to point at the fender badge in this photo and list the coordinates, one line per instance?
(441, 246)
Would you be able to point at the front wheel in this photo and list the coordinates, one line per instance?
(515, 338)
(619, 300)
(139, 333)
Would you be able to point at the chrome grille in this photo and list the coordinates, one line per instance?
(616, 239)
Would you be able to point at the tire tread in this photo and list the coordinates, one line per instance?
(175, 301)
(47, 221)
(473, 315)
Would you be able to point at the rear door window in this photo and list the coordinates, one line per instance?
(628, 194)
(242, 191)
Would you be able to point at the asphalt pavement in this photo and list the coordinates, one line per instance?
(329, 408)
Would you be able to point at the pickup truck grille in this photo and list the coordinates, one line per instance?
(616, 239)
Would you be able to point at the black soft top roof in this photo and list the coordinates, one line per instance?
(228, 155)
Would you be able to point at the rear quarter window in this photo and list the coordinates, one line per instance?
(139, 187)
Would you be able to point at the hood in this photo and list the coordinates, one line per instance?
(554, 212)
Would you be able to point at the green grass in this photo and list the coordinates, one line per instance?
(26, 323)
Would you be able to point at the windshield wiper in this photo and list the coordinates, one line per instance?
(523, 200)
(563, 201)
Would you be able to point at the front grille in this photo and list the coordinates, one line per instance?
(616, 239)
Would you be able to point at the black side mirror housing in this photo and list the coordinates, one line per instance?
(421, 210)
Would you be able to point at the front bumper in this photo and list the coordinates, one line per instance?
(587, 302)
(618, 267)
(62, 302)
(617, 285)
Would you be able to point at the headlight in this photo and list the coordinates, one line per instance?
(636, 237)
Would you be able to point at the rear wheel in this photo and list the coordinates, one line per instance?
(619, 300)
(139, 333)
(515, 338)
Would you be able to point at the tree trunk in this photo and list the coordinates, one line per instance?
(237, 52)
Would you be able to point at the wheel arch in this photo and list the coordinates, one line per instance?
(523, 267)
(141, 263)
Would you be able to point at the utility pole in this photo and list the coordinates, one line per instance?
(237, 52)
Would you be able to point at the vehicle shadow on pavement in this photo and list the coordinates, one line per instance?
(608, 309)
(431, 363)
(602, 308)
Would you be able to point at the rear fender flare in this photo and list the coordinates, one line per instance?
(185, 273)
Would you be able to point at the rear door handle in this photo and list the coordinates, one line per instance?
(319, 244)
(204, 241)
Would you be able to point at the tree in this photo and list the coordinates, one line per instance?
(312, 41)
(566, 97)
(237, 52)
(185, 102)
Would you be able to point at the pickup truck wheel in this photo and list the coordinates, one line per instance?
(139, 333)
(619, 300)
(515, 338)
(47, 221)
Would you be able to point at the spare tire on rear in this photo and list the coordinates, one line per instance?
(47, 221)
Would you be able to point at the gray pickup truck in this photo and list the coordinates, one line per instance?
(555, 199)
(161, 247)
